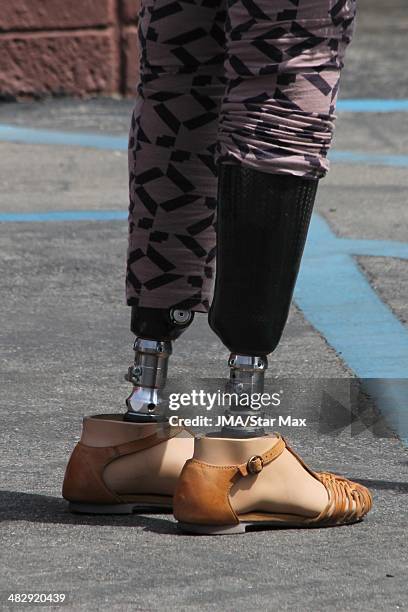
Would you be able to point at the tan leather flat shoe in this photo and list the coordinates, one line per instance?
(203, 504)
(119, 467)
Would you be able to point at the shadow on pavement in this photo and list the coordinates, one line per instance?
(36, 508)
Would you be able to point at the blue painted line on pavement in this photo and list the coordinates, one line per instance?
(339, 302)
(67, 215)
(373, 248)
(12, 133)
(372, 105)
(370, 159)
(9, 133)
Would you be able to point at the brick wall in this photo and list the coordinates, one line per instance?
(67, 47)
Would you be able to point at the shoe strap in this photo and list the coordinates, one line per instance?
(256, 463)
(148, 442)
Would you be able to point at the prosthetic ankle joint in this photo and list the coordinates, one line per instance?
(155, 329)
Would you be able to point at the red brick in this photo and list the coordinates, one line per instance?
(129, 10)
(72, 63)
(130, 56)
(55, 14)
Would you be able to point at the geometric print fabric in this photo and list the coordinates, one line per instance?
(221, 81)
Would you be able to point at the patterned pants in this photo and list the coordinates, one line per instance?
(249, 82)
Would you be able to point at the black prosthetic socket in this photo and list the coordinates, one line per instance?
(262, 223)
(159, 323)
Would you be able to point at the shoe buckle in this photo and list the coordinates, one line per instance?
(255, 464)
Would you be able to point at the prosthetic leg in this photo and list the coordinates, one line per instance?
(262, 223)
(155, 329)
(241, 477)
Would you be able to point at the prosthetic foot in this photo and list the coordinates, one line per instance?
(119, 467)
(131, 461)
(233, 485)
(240, 477)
